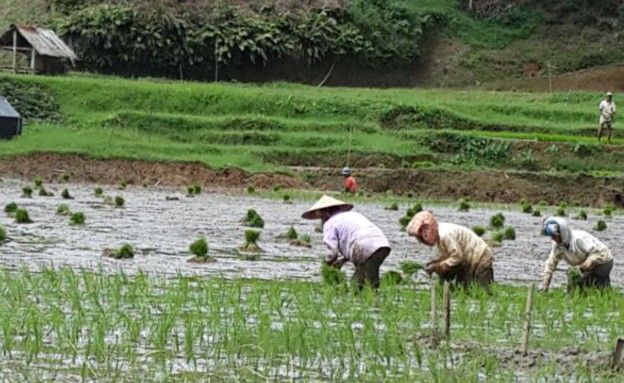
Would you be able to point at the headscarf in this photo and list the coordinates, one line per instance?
(556, 227)
(424, 227)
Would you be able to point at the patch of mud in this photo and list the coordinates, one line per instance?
(161, 231)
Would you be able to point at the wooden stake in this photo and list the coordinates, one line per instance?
(434, 313)
(527, 320)
(15, 50)
(447, 309)
(618, 354)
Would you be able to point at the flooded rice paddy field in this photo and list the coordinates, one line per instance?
(161, 230)
(73, 325)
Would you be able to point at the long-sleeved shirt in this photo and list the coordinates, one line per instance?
(460, 245)
(584, 250)
(607, 111)
(352, 236)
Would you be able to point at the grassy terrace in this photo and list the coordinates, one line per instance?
(73, 323)
(245, 125)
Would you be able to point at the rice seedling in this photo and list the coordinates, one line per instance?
(410, 268)
(190, 190)
(63, 209)
(608, 210)
(464, 205)
(498, 237)
(3, 234)
(292, 233)
(66, 177)
(404, 221)
(582, 215)
(126, 251)
(286, 198)
(38, 182)
(199, 248)
(27, 192)
(77, 218)
(305, 239)
(393, 207)
(527, 208)
(537, 213)
(543, 204)
(576, 203)
(391, 278)
(197, 189)
(574, 276)
(10, 207)
(119, 201)
(251, 190)
(479, 230)
(333, 276)
(22, 216)
(253, 219)
(251, 241)
(523, 201)
(561, 212)
(600, 225)
(44, 193)
(65, 194)
(277, 188)
(509, 233)
(122, 185)
(563, 205)
(497, 221)
(99, 192)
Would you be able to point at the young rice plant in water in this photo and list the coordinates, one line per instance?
(38, 182)
(199, 247)
(99, 192)
(479, 230)
(600, 225)
(119, 201)
(63, 209)
(78, 218)
(497, 221)
(65, 194)
(509, 233)
(10, 208)
(27, 192)
(292, 233)
(3, 234)
(582, 215)
(22, 216)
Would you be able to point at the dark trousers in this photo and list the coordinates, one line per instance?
(463, 276)
(596, 277)
(368, 272)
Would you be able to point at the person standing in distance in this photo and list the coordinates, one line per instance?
(607, 114)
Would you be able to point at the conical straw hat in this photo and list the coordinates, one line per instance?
(324, 203)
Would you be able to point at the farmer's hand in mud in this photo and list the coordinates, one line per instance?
(431, 267)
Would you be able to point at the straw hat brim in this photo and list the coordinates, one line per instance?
(325, 202)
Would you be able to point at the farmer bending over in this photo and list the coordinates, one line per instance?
(350, 185)
(349, 236)
(578, 248)
(463, 255)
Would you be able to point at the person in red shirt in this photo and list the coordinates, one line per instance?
(350, 184)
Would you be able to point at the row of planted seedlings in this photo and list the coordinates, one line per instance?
(276, 330)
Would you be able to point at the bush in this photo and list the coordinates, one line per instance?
(527, 208)
(292, 233)
(22, 216)
(509, 233)
(391, 278)
(600, 225)
(63, 209)
(560, 212)
(10, 208)
(199, 247)
(3, 234)
(38, 182)
(410, 267)
(27, 192)
(582, 215)
(394, 206)
(119, 201)
(65, 194)
(99, 192)
(78, 218)
(497, 221)
(251, 189)
(537, 213)
(464, 205)
(479, 230)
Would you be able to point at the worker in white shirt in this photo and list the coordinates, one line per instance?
(607, 113)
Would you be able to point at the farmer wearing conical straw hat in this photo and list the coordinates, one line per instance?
(464, 256)
(579, 249)
(349, 236)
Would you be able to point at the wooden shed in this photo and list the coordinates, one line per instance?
(45, 51)
(10, 120)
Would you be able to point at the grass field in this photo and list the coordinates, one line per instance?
(98, 326)
(244, 125)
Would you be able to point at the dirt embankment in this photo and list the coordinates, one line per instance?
(485, 186)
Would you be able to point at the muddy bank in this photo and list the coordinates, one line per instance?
(161, 223)
(484, 186)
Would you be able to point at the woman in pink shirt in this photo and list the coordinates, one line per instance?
(349, 236)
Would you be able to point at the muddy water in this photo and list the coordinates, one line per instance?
(161, 231)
